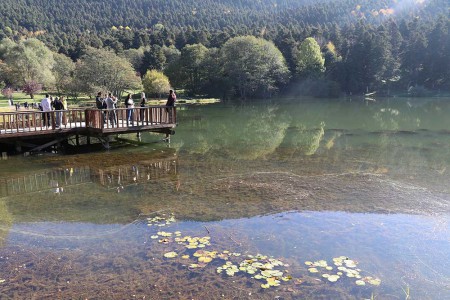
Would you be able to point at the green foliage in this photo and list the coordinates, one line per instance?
(63, 70)
(191, 67)
(103, 70)
(309, 59)
(135, 57)
(26, 61)
(155, 83)
(253, 66)
(379, 46)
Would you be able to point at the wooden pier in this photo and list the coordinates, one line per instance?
(37, 130)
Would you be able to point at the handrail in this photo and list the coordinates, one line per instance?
(98, 119)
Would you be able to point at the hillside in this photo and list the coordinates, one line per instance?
(383, 45)
(61, 23)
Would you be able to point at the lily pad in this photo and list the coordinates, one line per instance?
(313, 270)
(205, 259)
(333, 278)
(374, 281)
(272, 281)
(170, 254)
(360, 282)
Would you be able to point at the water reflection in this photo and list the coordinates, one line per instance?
(55, 180)
(296, 181)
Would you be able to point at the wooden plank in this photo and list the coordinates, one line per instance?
(39, 148)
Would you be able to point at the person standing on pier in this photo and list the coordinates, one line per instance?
(58, 105)
(46, 108)
(65, 107)
(110, 106)
(143, 103)
(170, 104)
(100, 103)
(129, 104)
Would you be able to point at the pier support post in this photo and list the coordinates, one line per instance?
(18, 147)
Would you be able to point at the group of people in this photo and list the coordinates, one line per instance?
(109, 103)
(48, 104)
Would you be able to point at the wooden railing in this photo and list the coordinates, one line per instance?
(135, 117)
(38, 121)
(29, 121)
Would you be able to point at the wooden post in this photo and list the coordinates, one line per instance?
(18, 147)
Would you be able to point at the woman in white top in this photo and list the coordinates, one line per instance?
(129, 104)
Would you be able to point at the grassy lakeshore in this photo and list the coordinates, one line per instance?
(86, 101)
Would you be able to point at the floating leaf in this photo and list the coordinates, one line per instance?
(165, 234)
(185, 257)
(272, 281)
(350, 263)
(154, 237)
(313, 270)
(205, 259)
(374, 281)
(170, 254)
(333, 278)
(265, 286)
(360, 282)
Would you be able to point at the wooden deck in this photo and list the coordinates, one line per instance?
(27, 125)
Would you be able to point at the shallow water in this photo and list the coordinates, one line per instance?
(295, 180)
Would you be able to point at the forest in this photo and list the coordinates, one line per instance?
(234, 48)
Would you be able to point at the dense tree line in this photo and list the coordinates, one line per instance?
(347, 45)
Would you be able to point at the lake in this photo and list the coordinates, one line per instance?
(281, 199)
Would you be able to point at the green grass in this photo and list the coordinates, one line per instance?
(18, 97)
(85, 101)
